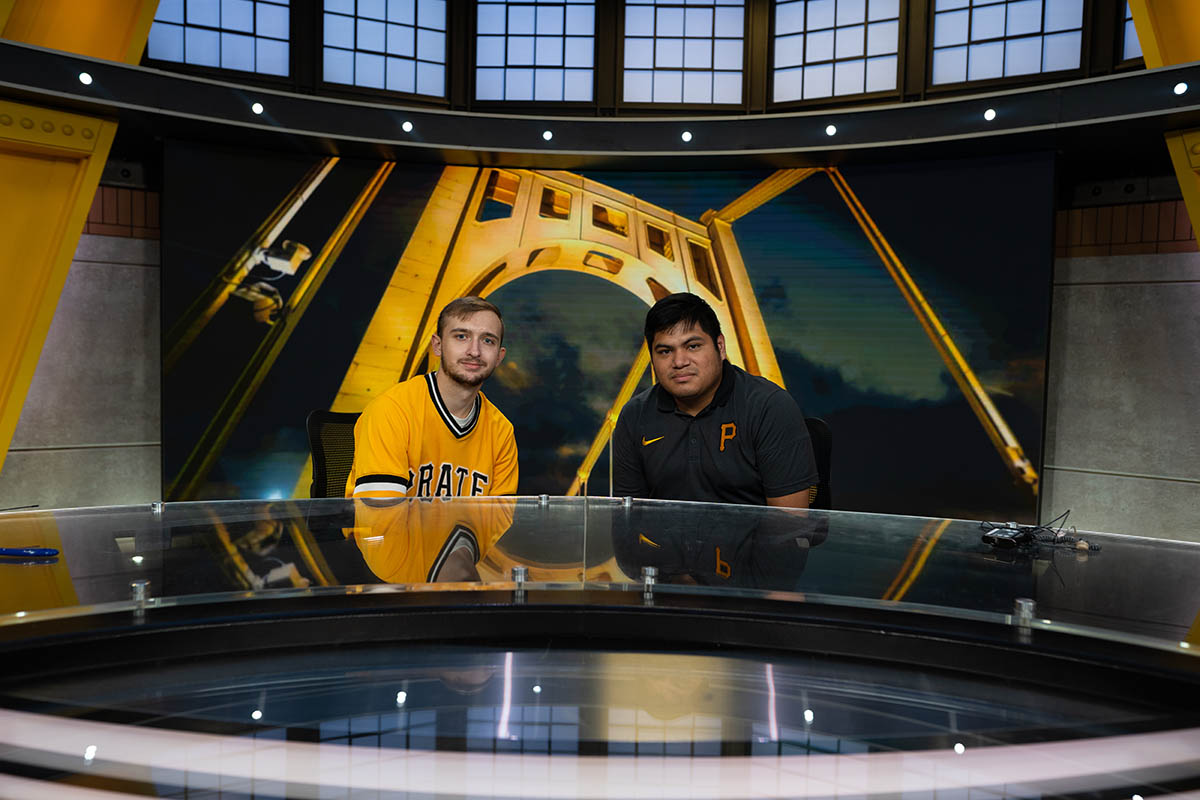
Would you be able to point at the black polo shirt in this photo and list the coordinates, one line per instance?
(748, 444)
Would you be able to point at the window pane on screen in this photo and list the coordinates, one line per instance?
(401, 75)
(668, 53)
(788, 85)
(883, 38)
(491, 18)
(883, 9)
(820, 47)
(342, 6)
(727, 87)
(818, 81)
(402, 11)
(339, 66)
(668, 87)
(697, 87)
(489, 51)
(202, 47)
(950, 28)
(730, 21)
(851, 12)
(699, 22)
(431, 79)
(881, 73)
(368, 70)
(639, 21)
(639, 53)
(520, 50)
(372, 9)
(271, 57)
(371, 35)
(581, 20)
(431, 45)
(431, 14)
(1063, 14)
(339, 31)
(518, 84)
(789, 18)
(985, 61)
(166, 42)
(1133, 47)
(521, 20)
(489, 84)
(670, 22)
(789, 51)
(727, 54)
(401, 40)
(237, 15)
(169, 11)
(204, 12)
(850, 41)
(987, 23)
(237, 51)
(547, 84)
(579, 52)
(849, 77)
(1061, 51)
(821, 14)
(638, 86)
(549, 51)
(1024, 17)
(950, 65)
(1023, 56)
(578, 85)
(697, 54)
(550, 20)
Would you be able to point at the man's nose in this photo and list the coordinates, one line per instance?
(679, 358)
(472, 346)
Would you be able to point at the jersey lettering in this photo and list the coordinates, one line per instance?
(728, 431)
(425, 480)
(444, 484)
(478, 481)
(462, 473)
(723, 568)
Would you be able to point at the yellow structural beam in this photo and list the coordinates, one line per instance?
(604, 436)
(50, 165)
(112, 29)
(1169, 33)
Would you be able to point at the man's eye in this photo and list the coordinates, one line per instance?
(693, 347)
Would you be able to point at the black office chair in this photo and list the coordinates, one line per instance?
(331, 440)
(822, 445)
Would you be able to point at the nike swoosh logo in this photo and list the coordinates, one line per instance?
(651, 441)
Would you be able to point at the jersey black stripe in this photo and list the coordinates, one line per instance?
(405, 482)
(459, 431)
(460, 534)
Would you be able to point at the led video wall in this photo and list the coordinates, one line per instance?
(906, 304)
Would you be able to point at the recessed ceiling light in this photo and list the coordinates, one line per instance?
(401, 698)
(256, 714)
(959, 748)
(1180, 87)
(686, 136)
(537, 689)
(137, 559)
(990, 114)
(406, 126)
(85, 79)
(547, 135)
(830, 130)
(257, 108)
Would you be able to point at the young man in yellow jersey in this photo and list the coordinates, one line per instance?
(437, 435)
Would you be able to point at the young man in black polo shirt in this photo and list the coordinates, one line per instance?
(708, 431)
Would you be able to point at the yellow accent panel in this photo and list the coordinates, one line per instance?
(6, 7)
(1184, 148)
(113, 29)
(28, 587)
(1168, 31)
(45, 194)
(47, 131)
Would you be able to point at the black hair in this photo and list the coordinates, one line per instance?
(681, 308)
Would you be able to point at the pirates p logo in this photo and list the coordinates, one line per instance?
(728, 431)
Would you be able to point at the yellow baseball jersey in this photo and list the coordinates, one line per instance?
(409, 540)
(406, 443)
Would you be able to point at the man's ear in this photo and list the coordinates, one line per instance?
(503, 350)
(435, 345)
(721, 345)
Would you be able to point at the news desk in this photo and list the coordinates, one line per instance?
(588, 647)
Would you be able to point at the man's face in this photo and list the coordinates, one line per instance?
(687, 362)
(469, 347)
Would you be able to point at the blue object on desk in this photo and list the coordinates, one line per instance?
(28, 552)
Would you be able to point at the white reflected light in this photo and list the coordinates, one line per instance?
(686, 136)
(830, 130)
(256, 714)
(1136, 797)
(257, 108)
(406, 126)
(20, 614)
(537, 689)
(274, 495)
(86, 80)
(502, 731)
(959, 748)
(138, 559)
(1185, 645)
(808, 716)
(401, 698)
(1180, 87)
(990, 114)
(772, 719)
(89, 753)
(547, 135)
